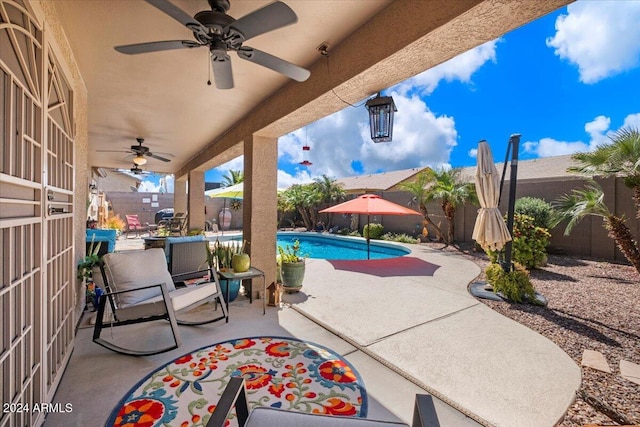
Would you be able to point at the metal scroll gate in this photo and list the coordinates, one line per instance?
(37, 289)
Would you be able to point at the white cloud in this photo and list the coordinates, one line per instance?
(151, 187)
(460, 68)
(632, 121)
(599, 133)
(548, 147)
(286, 180)
(601, 37)
(473, 153)
(420, 138)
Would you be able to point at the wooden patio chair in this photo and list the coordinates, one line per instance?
(177, 224)
(138, 288)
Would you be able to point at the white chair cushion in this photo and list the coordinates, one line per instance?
(184, 297)
(136, 269)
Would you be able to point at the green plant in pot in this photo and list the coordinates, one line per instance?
(86, 264)
(220, 257)
(292, 267)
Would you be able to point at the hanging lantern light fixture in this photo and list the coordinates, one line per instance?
(381, 109)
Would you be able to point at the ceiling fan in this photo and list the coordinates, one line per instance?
(221, 33)
(137, 171)
(140, 152)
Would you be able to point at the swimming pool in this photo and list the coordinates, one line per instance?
(325, 246)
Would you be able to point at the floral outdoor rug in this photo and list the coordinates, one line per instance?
(279, 372)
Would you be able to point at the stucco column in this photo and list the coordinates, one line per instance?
(260, 204)
(195, 200)
(180, 194)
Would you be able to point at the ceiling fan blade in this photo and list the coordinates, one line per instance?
(134, 49)
(155, 156)
(274, 63)
(271, 17)
(179, 15)
(113, 151)
(222, 73)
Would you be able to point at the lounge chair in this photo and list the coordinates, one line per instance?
(134, 226)
(177, 224)
(234, 395)
(137, 287)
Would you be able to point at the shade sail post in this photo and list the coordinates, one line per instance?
(514, 143)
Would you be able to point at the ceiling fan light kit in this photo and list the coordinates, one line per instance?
(222, 33)
(140, 160)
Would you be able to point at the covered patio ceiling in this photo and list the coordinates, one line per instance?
(164, 98)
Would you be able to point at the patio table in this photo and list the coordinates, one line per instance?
(253, 273)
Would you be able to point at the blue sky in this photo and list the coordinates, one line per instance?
(564, 82)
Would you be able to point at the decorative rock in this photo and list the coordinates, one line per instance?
(630, 371)
(596, 360)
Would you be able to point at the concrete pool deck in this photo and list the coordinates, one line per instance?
(415, 315)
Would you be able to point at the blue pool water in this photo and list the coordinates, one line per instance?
(317, 246)
(327, 247)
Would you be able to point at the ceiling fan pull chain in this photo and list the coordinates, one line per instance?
(209, 68)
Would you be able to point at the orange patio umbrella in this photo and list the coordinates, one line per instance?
(370, 204)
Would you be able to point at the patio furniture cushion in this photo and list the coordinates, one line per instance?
(180, 239)
(184, 297)
(120, 265)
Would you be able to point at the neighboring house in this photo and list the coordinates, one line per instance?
(115, 180)
(385, 181)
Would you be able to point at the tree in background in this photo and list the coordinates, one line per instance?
(304, 199)
(590, 201)
(448, 187)
(443, 185)
(233, 178)
(621, 157)
(331, 193)
(419, 188)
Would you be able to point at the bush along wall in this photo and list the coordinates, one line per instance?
(539, 210)
(529, 243)
(373, 230)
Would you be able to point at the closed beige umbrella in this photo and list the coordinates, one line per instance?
(490, 230)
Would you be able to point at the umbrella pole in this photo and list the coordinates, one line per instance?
(368, 236)
(514, 141)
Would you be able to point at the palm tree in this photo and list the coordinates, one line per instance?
(590, 201)
(331, 192)
(419, 188)
(452, 192)
(304, 199)
(234, 177)
(621, 157)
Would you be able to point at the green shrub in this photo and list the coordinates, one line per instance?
(514, 285)
(529, 243)
(373, 230)
(402, 238)
(538, 209)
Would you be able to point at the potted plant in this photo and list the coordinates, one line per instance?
(292, 267)
(115, 223)
(220, 257)
(84, 271)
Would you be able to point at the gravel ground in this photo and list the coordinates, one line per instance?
(593, 305)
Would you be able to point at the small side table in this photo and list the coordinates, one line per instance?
(154, 242)
(251, 274)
